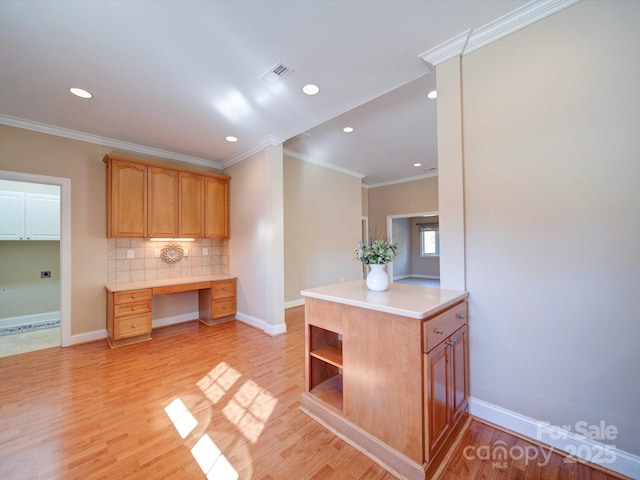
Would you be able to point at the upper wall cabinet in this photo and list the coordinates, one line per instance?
(29, 216)
(146, 200)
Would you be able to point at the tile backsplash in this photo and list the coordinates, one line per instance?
(146, 263)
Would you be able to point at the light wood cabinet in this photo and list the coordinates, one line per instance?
(445, 377)
(129, 316)
(191, 206)
(216, 223)
(370, 377)
(162, 202)
(146, 200)
(218, 304)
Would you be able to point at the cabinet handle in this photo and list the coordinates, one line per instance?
(452, 342)
(439, 331)
(133, 325)
(460, 316)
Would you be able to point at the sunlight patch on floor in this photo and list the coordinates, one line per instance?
(211, 460)
(218, 382)
(249, 409)
(181, 417)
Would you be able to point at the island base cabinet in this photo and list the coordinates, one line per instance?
(445, 381)
(394, 387)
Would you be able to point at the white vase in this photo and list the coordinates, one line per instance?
(378, 278)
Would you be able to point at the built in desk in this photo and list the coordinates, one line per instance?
(129, 310)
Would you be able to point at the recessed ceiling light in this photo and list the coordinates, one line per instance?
(79, 92)
(231, 138)
(432, 94)
(347, 129)
(311, 89)
(417, 164)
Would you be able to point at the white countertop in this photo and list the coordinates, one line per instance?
(119, 287)
(407, 300)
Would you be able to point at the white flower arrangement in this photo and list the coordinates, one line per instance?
(378, 252)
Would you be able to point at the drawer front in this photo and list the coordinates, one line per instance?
(132, 325)
(132, 308)
(128, 296)
(223, 308)
(442, 326)
(224, 289)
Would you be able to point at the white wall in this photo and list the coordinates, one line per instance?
(257, 244)
(323, 212)
(551, 145)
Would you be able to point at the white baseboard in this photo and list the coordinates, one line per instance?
(261, 324)
(294, 303)
(607, 456)
(400, 277)
(32, 319)
(88, 336)
(430, 277)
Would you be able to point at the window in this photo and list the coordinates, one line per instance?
(429, 240)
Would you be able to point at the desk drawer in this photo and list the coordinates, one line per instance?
(133, 325)
(128, 296)
(224, 289)
(223, 308)
(132, 308)
(442, 326)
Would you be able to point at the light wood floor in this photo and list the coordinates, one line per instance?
(196, 402)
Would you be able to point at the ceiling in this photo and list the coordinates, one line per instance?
(179, 77)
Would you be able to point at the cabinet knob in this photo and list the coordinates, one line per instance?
(460, 316)
(133, 325)
(439, 331)
(224, 308)
(224, 289)
(133, 296)
(452, 342)
(133, 308)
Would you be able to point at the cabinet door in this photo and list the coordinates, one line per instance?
(12, 217)
(128, 200)
(191, 205)
(437, 383)
(163, 203)
(458, 367)
(216, 208)
(42, 216)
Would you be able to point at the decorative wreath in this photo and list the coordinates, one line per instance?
(172, 253)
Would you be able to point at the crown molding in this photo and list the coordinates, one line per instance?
(401, 180)
(446, 50)
(307, 158)
(513, 21)
(260, 145)
(473, 39)
(109, 142)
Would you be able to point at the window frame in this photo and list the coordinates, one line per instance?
(427, 227)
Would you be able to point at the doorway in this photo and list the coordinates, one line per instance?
(412, 265)
(64, 187)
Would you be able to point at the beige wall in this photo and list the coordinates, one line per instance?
(323, 210)
(365, 202)
(20, 267)
(37, 153)
(552, 218)
(257, 238)
(416, 196)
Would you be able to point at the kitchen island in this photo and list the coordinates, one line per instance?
(387, 371)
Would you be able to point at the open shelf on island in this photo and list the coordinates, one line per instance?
(330, 391)
(331, 354)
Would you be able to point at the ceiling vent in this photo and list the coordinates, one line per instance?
(277, 73)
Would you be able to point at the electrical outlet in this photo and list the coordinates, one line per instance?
(129, 253)
(205, 252)
(156, 252)
(5, 290)
(45, 274)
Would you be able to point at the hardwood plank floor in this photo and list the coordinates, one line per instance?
(196, 402)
